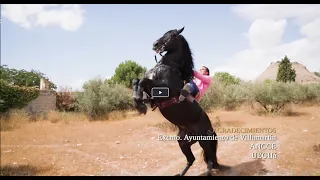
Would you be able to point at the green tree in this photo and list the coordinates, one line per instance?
(226, 78)
(317, 73)
(22, 77)
(126, 72)
(285, 71)
(12, 96)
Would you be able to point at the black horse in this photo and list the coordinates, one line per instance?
(175, 67)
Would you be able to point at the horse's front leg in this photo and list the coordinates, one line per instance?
(138, 87)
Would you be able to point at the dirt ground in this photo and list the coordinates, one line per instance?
(131, 147)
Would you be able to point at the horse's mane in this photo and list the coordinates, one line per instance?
(187, 65)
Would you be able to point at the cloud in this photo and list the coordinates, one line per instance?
(268, 25)
(260, 27)
(69, 17)
(300, 12)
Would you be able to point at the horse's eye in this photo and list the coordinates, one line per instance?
(166, 38)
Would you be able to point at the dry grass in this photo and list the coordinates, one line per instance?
(15, 119)
(21, 170)
(81, 147)
(166, 126)
(301, 158)
(69, 144)
(215, 120)
(291, 109)
(316, 148)
(301, 147)
(19, 118)
(288, 110)
(65, 117)
(119, 115)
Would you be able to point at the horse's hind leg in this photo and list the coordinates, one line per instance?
(209, 153)
(209, 146)
(185, 147)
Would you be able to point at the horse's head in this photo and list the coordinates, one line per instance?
(175, 44)
(168, 42)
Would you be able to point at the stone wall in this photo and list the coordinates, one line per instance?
(46, 101)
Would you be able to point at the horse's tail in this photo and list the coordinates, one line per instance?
(213, 152)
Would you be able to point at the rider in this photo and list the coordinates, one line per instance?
(198, 86)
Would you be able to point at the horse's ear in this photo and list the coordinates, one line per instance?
(180, 30)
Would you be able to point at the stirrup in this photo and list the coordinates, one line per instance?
(183, 93)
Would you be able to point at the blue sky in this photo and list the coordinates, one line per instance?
(73, 44)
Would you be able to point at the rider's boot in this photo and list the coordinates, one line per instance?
(185, 92)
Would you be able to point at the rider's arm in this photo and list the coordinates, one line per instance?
(205, 79)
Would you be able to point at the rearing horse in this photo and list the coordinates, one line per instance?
(175, 67)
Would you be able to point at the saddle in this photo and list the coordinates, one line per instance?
(189, 97)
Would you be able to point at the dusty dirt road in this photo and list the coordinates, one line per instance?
(131, 147)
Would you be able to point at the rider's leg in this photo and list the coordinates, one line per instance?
(189, 89)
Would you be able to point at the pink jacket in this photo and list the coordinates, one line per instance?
(203, 82)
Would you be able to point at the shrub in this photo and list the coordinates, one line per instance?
(12, 96)
(65, 101)
(220, 95)
(313, 93)
(272, 96)
(234, 95)
(100, 98)
(227, 79)
(213, 96)
(267, 81)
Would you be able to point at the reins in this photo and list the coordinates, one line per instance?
(175, 68)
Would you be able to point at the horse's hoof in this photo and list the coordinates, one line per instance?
(140, 106)
(216, 166)
(143, 109)
(209, 173)
(177, 175)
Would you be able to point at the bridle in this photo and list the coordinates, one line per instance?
(176, 70)
(172, 100)
(164, 46)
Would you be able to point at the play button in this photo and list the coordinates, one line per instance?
(160, 92)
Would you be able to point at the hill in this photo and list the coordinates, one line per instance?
(304, 76)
